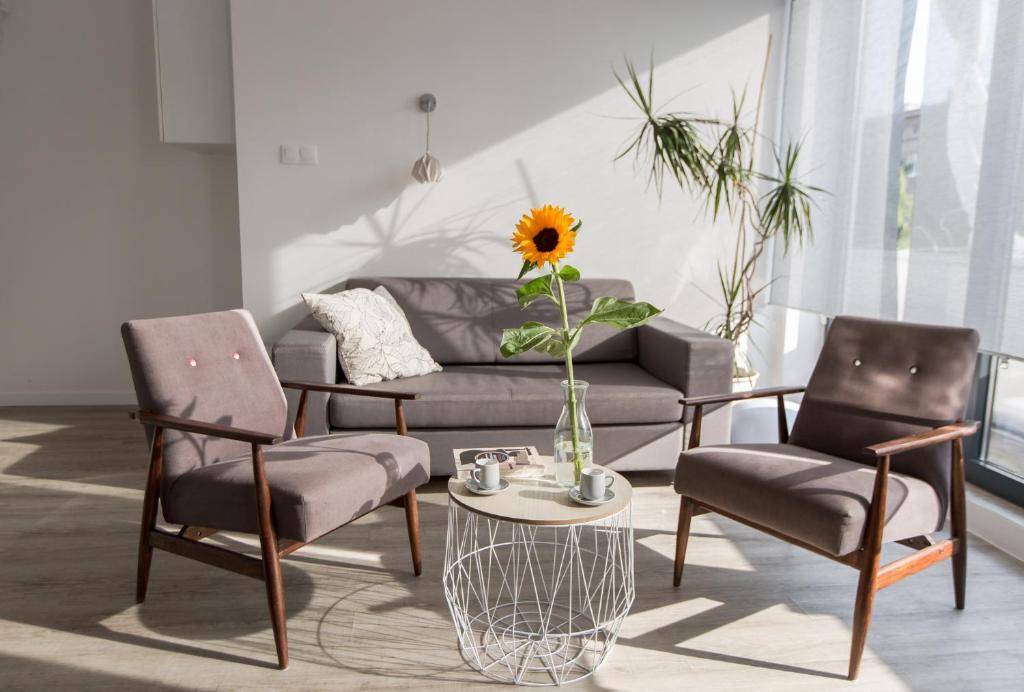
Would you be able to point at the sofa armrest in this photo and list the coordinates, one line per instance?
(693, 361)
(307, 355)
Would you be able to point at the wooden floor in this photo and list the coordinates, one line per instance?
(753, 613)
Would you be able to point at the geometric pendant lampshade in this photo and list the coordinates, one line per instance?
(427, 168)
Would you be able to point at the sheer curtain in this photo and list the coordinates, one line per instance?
(912, 114)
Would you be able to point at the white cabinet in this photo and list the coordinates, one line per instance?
(193, 66)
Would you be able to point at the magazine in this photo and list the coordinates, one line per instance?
(513, 459)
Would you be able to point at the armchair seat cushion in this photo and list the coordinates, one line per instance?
(815, 498)
(505, 396)
(316, 484)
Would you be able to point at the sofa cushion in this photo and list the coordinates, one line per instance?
(375, 341)
(316, 484)
(513, 396)
(459, 320)
(813, 497)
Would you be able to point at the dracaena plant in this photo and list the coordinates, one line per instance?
(714, 160)
(544, 238)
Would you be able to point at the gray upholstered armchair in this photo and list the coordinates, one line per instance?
(225, 459)
(876, 456)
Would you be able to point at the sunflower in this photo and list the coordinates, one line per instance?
(546, 235)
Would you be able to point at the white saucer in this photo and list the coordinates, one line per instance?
(575, 496)
(473, 487)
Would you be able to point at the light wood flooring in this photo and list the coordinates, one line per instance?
(752, 613)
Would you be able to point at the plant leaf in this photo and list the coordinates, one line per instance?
(532, 335)
(620, 314)
(577, 227)
(527, 267)
(556, 346)
(532, 290)
(569, 273)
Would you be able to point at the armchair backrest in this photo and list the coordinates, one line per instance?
(210, 367)
(877, 380)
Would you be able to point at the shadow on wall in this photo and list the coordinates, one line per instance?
(528, 113)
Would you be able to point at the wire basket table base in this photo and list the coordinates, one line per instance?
(537, 604)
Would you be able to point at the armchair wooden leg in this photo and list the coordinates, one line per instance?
(682, 537)
(271, 560)
(958, 523)
(150, 503)
(862, 615)
(275, 598)
(412, 520)
(867, 587)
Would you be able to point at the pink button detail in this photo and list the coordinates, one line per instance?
(192, 362)
(235, 355)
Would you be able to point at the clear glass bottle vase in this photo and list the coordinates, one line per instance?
(565, 468)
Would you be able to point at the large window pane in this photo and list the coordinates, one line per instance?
(1005, 446)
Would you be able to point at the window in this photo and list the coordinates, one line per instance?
(911, 114)
(996, 456)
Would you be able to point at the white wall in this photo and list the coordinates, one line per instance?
(528, 112)
(99, 223)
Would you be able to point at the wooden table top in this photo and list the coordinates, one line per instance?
(539, 501)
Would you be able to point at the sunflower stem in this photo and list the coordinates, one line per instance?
(577, 458)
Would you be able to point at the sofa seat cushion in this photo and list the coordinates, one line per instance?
(816, 498)
(479, 396)
(316, 484)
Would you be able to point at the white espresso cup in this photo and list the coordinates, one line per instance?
(593, 482)
(487, 474)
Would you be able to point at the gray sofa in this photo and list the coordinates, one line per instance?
(481, 399)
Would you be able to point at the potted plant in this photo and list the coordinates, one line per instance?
(544, 237)
(714, 160)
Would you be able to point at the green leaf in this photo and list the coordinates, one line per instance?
(532, 335)
(532, 290)
(556, 346)
(569, 273)
(576, 228)
(620, 314)
(527, 267)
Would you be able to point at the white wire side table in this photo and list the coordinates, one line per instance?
(537, 585)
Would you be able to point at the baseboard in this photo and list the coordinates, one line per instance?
(996, 521)
(74, 398)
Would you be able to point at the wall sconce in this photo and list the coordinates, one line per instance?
(427, 169)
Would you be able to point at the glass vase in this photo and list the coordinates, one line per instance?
(566, 472)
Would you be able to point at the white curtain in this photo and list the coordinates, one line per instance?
(913, 119)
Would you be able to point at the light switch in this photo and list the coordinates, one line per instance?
(308, 154)
(300, 154)
(289, 153)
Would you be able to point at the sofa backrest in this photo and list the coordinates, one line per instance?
(459, 320)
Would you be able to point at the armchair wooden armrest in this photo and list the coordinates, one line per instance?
(213, 429)
(698, 402)
(739, 396)
(348, 389)
(307, 387)
(923, 439)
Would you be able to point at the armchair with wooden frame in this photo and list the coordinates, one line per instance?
(875, 456)
(224, 457)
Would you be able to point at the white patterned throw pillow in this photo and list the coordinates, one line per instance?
(375, 341)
